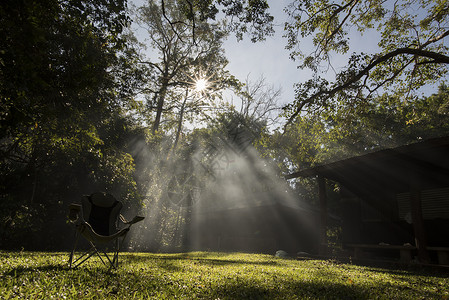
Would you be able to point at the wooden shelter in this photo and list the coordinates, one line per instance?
(393, 199)
(257, 229)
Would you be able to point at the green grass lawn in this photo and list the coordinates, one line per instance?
(203, 275)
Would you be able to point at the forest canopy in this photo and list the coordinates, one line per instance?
(86, 104)
(412, 49)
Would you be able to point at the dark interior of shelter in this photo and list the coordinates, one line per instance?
(395, 196)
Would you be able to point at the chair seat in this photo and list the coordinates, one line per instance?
(87, 231)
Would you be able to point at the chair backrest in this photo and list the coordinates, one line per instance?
(101, 211)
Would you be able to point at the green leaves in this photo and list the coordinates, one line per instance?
(352, 128)
(66, 78)
(411, 53)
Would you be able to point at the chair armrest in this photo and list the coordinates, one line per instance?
(133, 221)
(74, 210)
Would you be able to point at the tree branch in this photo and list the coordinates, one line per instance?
(437, 58)
(354, 2)
(172, 24)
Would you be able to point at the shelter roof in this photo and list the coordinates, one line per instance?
(390, 169)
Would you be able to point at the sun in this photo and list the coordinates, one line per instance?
(201, 84)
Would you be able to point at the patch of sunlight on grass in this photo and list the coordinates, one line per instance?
(206, 275)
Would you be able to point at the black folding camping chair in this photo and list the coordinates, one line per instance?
(97, 219)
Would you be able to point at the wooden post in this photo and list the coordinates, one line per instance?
(417, 218)
(323, 214)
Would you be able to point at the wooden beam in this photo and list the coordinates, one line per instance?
(417, 218)
(323, 214)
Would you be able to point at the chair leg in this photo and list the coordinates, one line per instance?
(91, 252)
(73, 250)
(111, 262)
(118, 245)
(98, 253)
(114, 262)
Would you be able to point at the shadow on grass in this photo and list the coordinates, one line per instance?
(10, 254)
(320, 290)
(209, 259)
(402, 269)
(20, 270)
(93, 270)
(297, 290)
(220, 262)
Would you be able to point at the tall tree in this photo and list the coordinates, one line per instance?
(175, 61)
(412, 48)
(185, 74)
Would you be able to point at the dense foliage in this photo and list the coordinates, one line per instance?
(243, 17)
(65, 81)
(344, 130)
(411, 50)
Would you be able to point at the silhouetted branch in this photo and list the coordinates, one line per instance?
(173, 23)
(438, 58)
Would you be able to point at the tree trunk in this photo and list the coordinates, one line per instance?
(181, 117)
(160, 102)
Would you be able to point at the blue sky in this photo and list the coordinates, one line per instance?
(268, 58)
(271, 59)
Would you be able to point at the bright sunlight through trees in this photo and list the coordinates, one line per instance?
(201, 84)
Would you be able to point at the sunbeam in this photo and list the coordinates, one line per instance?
(222, 196)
